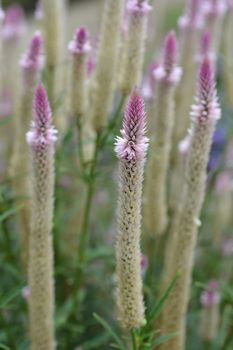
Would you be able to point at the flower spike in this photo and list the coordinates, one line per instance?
(133, 143)
(42, 133)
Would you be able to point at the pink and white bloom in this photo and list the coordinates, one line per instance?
(13, 25)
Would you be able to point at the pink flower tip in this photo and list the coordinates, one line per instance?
(13, 26)
(211, 296)
(80, 43)
(214, 8)
(133, 144)
(139, 7)
(33, 59)
(168, 70)
(42, 132)
(194, 17)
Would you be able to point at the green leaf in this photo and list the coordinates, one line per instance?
(109, 329)
(7, 298)
(4, 347)
(9, 213)
(158, 307)
(163, 338)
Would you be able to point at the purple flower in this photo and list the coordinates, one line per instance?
(80, 43)
(133, 143)
(139, 7)
(211, 295)
(168, 70)
(13, 26)
(42, 132)
(33, 59)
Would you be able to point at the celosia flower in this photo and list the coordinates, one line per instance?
(193, 17)
(166, 77)
(211, 295)
(181, 247)
(79, 48)
(33, 61)
(41, 140)
(148, 89)
(133, 143)
(131, 150)
(13, 26)
(80, 44)
(214, 8)
(39, 14)
(42, 132)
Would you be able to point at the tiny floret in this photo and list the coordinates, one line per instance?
(34, 59)
(42, 132)
(194, 15)
(80, 43)
(133, 143)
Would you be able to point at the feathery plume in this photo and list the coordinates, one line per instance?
(167, 75)
(180, 249)
(104, 79)
(31, 66)
(79, 48)
(41, 140)
(134, 45)
(131, 150)
(210, 300)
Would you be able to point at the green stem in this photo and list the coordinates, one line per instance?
(134, 340)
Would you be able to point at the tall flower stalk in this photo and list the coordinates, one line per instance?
(131, 150)
(181, 244)
(41, 139)
(134, 45)
(31, 65)
(166, 76)
(104, 79)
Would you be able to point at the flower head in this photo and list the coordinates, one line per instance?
(211, 295)
(193, 17)
(33, 59)
(80, 43)
(214, 8)
(139, 7)
(133, 143)
(168, 70)
(42, 132)
(13, 26)
(39, 14)
(207, 107)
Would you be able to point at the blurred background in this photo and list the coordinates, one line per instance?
(29, 5)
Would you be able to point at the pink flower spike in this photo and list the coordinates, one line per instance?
(207, 107)
(139, 7)
(13, 26)
(133, 143)
(211, 295)
(169, 71)
(80, 43)
(42, 132)
(193, 18)
(33, 59)
(206, 40)
(170, 51)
